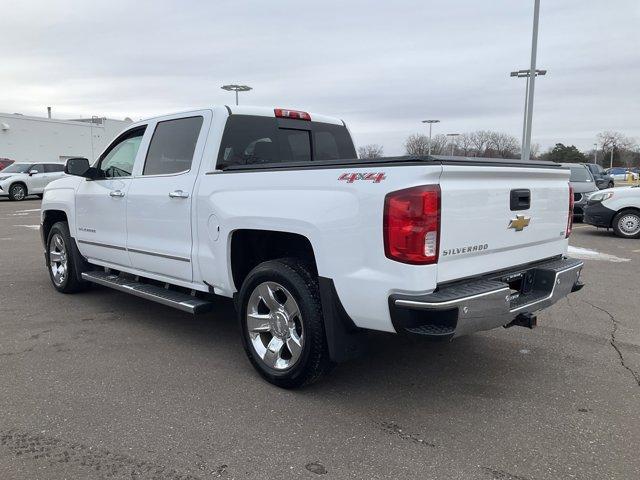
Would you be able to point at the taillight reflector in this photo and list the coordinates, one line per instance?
(295, 114)
(570, 219)
(411, 225)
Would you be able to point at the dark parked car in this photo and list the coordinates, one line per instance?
(583, 185)
(602, 178)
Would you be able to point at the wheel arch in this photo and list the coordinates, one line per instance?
(250, 247)
(622, 210)
(49, 218)
(19, 182)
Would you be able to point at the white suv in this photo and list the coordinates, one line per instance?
(21, 179)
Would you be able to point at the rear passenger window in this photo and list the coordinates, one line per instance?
(172, 146)
(53, 168)
(253, 140)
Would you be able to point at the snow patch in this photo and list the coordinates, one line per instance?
(587, 254)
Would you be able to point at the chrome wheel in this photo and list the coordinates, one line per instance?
(18, 192)
(274, 326)
(629, 224)
(58, 259)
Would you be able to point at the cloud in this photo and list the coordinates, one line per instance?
(381, 66)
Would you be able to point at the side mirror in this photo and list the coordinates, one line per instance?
(79, 167)
(33, 172)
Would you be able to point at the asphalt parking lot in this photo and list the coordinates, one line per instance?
(104, 385)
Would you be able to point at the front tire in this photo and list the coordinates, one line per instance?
(626, 224)
(282, 323)
(61, 262)
(17, 192)
(610, 185)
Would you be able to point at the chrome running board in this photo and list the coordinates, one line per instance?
(170, 298)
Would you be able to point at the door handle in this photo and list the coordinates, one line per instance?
(116, 193)
(179, 194)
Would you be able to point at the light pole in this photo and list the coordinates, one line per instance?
(236, 88)
(452, 136)
(430, 122)
(595, 153)
(532, 79)
(525, 124)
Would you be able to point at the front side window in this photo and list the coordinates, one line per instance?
(172, 146)
(37, 168)
(118, 160)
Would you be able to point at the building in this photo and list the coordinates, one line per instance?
(38, 139)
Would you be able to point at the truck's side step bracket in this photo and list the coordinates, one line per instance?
(179, 300)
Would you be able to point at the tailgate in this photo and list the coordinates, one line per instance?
(483, 230)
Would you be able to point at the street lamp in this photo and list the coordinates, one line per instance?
(531, 83)
(236, 88)
(430, 122)
(525, 74)
(452, 136)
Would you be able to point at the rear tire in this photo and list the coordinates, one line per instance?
(61, 260)
(17, 192)
(282, 323)
(626, 224)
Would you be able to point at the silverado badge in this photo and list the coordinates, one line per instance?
(519, 223)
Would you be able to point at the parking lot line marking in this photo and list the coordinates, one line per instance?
(33, 227)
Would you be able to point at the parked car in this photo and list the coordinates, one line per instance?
(21, 179)
(273, 208)
(4, 163)
(618, 209)
(621, 174)
(601, 177)
(583, 185)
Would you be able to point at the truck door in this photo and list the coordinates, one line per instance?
(159, 201)
(101, 203)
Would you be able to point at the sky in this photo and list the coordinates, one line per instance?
(381, 66)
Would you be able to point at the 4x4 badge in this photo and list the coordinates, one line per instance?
(519, 223)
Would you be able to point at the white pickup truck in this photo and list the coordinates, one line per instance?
(272, 207)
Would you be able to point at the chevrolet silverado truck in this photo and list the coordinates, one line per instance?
(272, 208)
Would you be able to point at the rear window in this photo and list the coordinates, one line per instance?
(579, 174)
(252, 140)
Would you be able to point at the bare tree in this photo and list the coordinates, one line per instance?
(617, 146)
(370, 151)
(480, 140)
(535, 150)
(503, 145)
(417, 144)
(439, 144)
(465, 144)
(614, 141)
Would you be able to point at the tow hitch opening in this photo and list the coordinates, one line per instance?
(528, 320)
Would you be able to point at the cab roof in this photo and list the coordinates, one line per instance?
(246, 110)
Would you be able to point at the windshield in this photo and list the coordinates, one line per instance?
(17, 168)
(579, 174)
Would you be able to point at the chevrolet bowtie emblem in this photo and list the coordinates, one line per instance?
(519, 223)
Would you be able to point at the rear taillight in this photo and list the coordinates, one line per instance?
(570, 219)
(412, 225)
(295, 114)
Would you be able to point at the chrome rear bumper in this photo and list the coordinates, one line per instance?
(486, 303)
